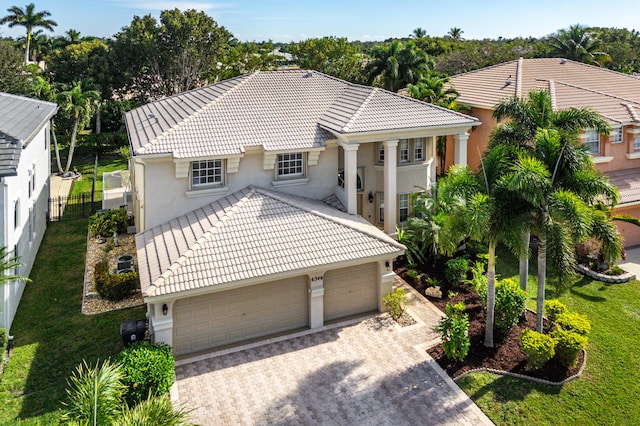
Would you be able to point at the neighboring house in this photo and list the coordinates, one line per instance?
(25, 167)
(614, 95)
(259, 201)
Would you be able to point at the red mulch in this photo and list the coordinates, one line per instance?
(507, 354)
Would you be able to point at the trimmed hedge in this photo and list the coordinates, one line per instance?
(553, 308)
(537, 347)
(114, 287)
(573, 321)
(147, 369)
(569, 344)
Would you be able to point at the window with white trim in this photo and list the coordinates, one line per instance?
(359, 185)
(33, 179)
(380, 157)
(418, 149)
(16, 270)
(381, 207)
(207, 173)
(404, 151)
(290, 165)
(592, 141)
(616, 135)
(636, 143)
(29, 182)
(32, 223)
(403, 207)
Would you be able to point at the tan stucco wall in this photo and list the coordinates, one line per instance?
(618, 152)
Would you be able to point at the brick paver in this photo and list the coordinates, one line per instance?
(368, 372)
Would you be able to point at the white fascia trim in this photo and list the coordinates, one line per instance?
(269, 278)
(419, 132)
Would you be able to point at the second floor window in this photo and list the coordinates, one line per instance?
(418, 150)
(592, 141)
(206, 173)
(380, 152)
(291, 165)
(404, 151)
(616, 135)
(403, 207)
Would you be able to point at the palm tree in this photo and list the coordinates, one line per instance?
(9, 264)
(489, 213)
(73, 35)
(559, 185)
(29, 19)
(525, 117)
(95, 397)
(79, 102)
(395, 65)
(418, 33)
(576, 43)
(455, 33)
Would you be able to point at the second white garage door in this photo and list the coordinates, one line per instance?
(350, 291)
(217, 319)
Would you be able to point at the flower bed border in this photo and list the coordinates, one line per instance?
(610, 279)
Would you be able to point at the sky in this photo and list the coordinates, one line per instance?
(294, 20)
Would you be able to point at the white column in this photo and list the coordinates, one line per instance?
(316, 300)
(385, 281)
(161, 325)
(351, 176)
(460, 152)
(390, 186)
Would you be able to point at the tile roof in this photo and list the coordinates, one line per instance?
(572, 84)
(628, 184)
(252, 233)
(277, 110)
(20, 120)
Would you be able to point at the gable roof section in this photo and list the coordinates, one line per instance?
(615, 95)
(252, 233)
(21, 119)
(276, 110)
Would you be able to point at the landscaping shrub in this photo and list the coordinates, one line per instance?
(478, 277)
(456, 270)
(454, 331)
(146, 369)
(4, 341)
(412, 273)
(107, 222)
(569, 344)
(573, 321)
(114, 286)
(537, 347)
(614, 271)
(553, 308)
(396, 303)
(511, 303)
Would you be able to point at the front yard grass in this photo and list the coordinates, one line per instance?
(110, 164)
(608, 391)
(51, 335)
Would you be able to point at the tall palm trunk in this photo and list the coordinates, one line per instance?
(57, 150)
(542, 275)
(72, 145)
(491, 295)
(524, 263)
(26, 52)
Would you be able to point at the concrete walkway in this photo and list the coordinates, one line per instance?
(366, 371)
(59, 189)
(632, 263)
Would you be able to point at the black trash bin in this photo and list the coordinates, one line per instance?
(132, 331)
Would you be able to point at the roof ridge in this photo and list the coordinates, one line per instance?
(27, 98)
(501, 64)
(325, 216)
(519, 71)
(206, 236)
(552, 95)
(632, 111)
(356, 114)
(191, 117)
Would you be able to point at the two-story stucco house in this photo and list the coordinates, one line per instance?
(614, 95)
(25, 167)
(264, 203)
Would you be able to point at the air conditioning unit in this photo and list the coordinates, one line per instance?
(125, 264)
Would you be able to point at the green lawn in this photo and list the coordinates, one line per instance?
(609, 390)
(86, 169)
(51, 335)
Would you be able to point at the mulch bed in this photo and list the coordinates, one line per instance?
(507, 355)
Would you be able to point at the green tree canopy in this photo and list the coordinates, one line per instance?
(578, 44)
(335, 56)
(395, 65)
(12, 75)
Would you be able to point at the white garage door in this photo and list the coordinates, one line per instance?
(350, 291)
(217, 319)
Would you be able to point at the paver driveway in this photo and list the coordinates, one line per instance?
(370, 371)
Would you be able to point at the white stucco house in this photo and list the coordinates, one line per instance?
(267, 203)
(25, 167)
